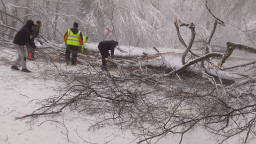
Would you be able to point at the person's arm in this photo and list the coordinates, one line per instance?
(84, 39)
(66, 36)
(32, 44)
(113, 45)
(81, 38)
(40, 41)
(112, 51)
(26, 35)
(30, 40)
(37, 35)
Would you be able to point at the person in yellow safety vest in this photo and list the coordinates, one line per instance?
(83, 50)
(74, 39)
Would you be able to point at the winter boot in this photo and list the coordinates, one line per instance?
(15, 68)
(26, 70)
(74, 62)
(104, 68)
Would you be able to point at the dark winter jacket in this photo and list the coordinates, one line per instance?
(23, 35)
(74, 31)
(106, 46)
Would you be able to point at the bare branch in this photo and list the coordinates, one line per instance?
(178, 32)
(202, 58)
(193, 33)
(237, 66)
(219, 21)
(12, 16)
(9, 27)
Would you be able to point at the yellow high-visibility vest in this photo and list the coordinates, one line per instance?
(84, 39)
(73, 39)
(83, 47)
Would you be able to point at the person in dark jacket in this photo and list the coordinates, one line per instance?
(104, 48)
(33, 37)
(21, 39)
(73, 39)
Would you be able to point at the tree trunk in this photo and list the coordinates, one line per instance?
(27, 11)
(47, 26)
(100, 21)
(4, 19)
(231, 47)
(14, 22)
(56, 20)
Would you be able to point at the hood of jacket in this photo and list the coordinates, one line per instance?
(30, 24)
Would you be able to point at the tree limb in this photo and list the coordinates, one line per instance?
(6, 20)
(9, 27)
(178, 32)
(219, 21)
(242, 65)
(189, 46)
(12, 16)
(194, 62)
(231, 47)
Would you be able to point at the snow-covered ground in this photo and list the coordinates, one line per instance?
(20, 92)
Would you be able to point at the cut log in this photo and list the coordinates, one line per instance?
(202, 58)
(231, 47)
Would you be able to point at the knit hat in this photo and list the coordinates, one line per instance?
(29, 24)
(75, 25)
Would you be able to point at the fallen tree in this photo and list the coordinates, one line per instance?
(209, 55)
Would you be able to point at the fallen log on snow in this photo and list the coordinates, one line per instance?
(202, 58)
(231, 47)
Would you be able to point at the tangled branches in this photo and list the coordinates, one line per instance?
(153, 107)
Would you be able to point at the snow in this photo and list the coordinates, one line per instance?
(20, 92)
(17, 90)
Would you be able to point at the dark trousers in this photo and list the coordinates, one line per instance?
(71, 50)
(104, 54)
(104, 62)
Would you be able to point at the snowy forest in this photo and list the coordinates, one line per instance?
(183, 72)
